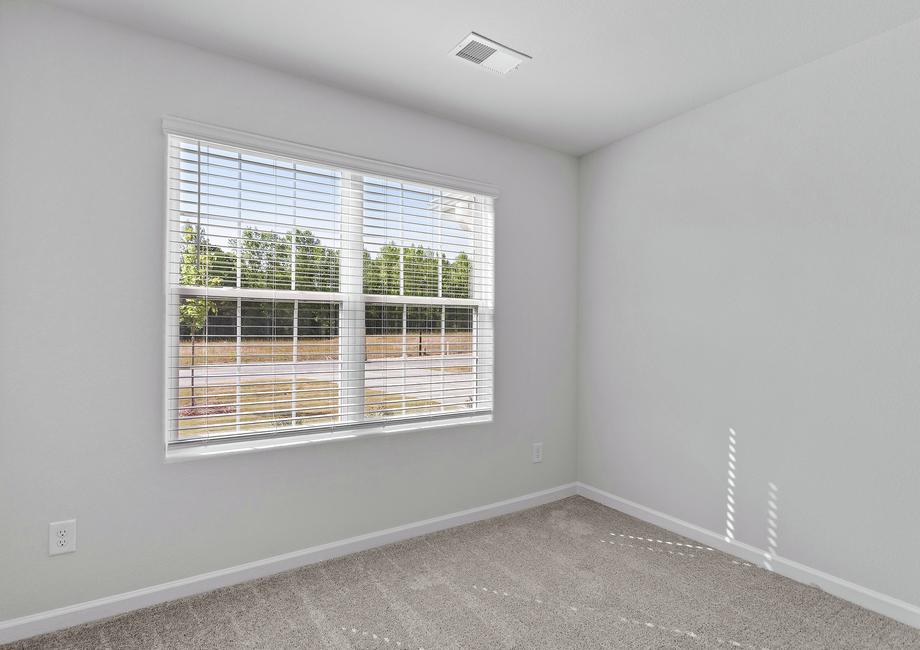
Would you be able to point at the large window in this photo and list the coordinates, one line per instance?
(314, 300)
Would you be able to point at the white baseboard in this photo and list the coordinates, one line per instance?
(877, 602)
(55, 619)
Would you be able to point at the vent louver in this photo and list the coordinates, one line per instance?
(488, 54)
(476, 52)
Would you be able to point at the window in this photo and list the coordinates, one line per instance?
(315, 300)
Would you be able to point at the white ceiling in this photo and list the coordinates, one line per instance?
(601, 69)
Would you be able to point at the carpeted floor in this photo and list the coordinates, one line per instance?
(571, 574)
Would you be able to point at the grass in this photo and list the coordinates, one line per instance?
(456, 369)
(379, 346)
(417, 344)
(278, 403)
(264, 404)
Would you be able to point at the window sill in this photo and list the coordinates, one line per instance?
(194, 451)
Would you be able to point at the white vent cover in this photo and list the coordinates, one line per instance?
(488, 54)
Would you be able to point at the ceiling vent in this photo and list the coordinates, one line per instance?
(488, 54)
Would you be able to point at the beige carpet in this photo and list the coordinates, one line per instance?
(572, 574)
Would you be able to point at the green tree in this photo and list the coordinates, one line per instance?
(316, 266)
(194, 270)
(265, 259)
(456, 277)
(420, 271)
(381, 273)
(266, 262)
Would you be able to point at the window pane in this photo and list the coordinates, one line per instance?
(417, 241)
(250, 365)
(254, 222)
(458, 325)
(419, 360)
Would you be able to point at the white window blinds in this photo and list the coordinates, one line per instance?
(306, 298)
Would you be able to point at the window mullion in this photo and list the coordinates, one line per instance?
(238, 344)
(351, 318)
(443, 309)
(294, 326)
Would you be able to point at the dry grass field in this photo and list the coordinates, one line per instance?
(208, 352)
(287, 402)
(279, 403)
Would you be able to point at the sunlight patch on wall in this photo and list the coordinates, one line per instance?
(730, 494)
(772, 524)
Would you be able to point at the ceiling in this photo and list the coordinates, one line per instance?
(601, 69)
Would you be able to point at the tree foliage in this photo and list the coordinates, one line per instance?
(298, 260)
(195, 270)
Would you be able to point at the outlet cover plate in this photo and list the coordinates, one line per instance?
(62, 537)
(537, 452)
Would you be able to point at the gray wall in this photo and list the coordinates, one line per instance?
(755, 264)
(81, 177)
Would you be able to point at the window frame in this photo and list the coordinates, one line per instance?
(354, 169)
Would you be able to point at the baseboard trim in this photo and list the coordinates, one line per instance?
(873, 600)
(55, 619)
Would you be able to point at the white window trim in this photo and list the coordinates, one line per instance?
(178, 126)
(352, 432)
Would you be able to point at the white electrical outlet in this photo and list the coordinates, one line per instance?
(537, 452)
(62, 537)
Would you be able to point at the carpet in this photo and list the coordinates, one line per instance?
(570, 574)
